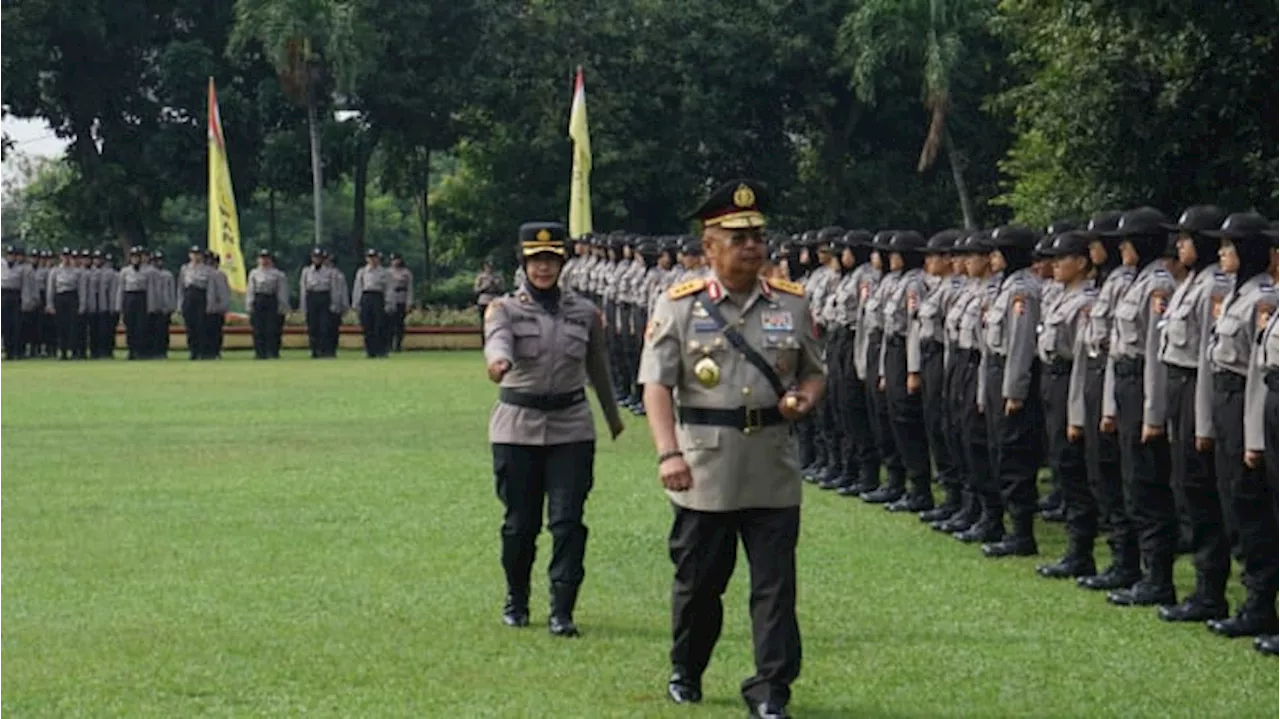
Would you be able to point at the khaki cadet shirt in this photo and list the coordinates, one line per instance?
(732, 469)
(1135, 334)
(868, 280)
(549, 354)
(267, 281)
(1009, 335)
(1265, 360)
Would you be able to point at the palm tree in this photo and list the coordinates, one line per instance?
(929, 34)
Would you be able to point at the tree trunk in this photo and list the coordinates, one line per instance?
(957, 176)
(317, 170)
(366, 141)
(424, 216)
(271, 220)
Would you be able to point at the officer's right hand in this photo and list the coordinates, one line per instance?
(1075, 433)
(675, 475)
(1107, 425)
(1252, 459)
(497, 369)
(1204, 444)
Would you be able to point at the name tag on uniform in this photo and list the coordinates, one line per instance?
(704, 326)
(777, 322)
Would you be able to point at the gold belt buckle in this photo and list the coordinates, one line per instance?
(754, 421)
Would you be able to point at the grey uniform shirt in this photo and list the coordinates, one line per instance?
(341, 298)
(19, 276)
(1135, 334)
(1184, 332)
(1062, 339)
(1265, 360)
(868, 282)
(1098, 329)
(1231, 340)
(218, 298)
(549, 354)
(844, 301)
(1009, 334)
(369, 279)
(315, 279)
(820, 285)
(92, 286)
(108, 288)
(197, 276)
(399, 287)
(900, 310)
(42, 277)
(731, 469)
(141, 278)
(66, 278)
(488, 285)
(167, 290)
(1050, 291)
(267, 281)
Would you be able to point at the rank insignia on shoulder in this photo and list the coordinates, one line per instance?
(791, 288)
(685, 289)
(493, 307)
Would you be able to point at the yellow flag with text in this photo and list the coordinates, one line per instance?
(580, 187)
(224, 225)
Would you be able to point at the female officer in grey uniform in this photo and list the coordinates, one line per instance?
(1010, 390)
(1183, 341)
(542, 344)
(873, 327)
(1260, 423)
(1251, 256)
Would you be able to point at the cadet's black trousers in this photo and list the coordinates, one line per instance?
(397, 326)
(213, 322)
(526, 476)
(906, 416)
(157, 334)
(134, 309)
(29, 337)
(105, 332)
(1102, 463)
(1016, 450)
(639, 321)
(1250, 495)
(48, 331)
(1145, 466)
(849, 399)
(972, 429)
(373, 323)
(1194, 472)
(704, 550)
(194, 301)
(935, 373)
(319, 318)
(1271, 425)
(264, 322)
(66, 306)
(878, 409)
(1066, 458)
(11, 322)
(828, 426)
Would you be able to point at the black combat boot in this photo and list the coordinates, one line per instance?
(1269, 645)
(970, 512)
(949, 508)
(886, 494)
(1124, 571)
(563, 599)
(1076, 562)
(515, 612)
(1154, 589)
(988, 528)
(1257, 617)
(1197, 607)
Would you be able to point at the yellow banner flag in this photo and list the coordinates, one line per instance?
(224, 224)
(580, 187)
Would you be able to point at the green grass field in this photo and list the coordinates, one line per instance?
(303, 538)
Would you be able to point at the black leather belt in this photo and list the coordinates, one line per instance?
(995, 361)
(1058, 367)
(1228, 382)
(14, 291)
(544, 402)
(930, 347)
(739, 418)
(1129, 366)
(1273, 381)
(972, 356)
(1097, 364)
(1180, 371)
(895, 340)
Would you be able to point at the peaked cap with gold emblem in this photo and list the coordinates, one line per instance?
(735, 205)
(539, 237)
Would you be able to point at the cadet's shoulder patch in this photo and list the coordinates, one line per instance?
(791, 288)
(492, 308)
(685, 289)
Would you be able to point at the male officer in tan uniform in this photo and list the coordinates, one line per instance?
(734, 359)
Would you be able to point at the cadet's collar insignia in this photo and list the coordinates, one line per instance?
(524, 297)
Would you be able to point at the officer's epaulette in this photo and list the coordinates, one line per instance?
(1266, 287)
(684, 289)
(791, 288)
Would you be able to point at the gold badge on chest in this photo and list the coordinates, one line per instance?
(707, 372)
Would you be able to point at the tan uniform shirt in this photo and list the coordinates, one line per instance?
(731, 469)
(549, 354)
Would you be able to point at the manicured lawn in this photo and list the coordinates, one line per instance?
(302, 538)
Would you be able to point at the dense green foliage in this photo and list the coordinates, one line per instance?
(875, 113)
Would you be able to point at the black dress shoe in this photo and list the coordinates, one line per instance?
(1269, 645)
(768, 711)
(1113, 577)
(939, 514)
(883, 495)
(1246, 623)
(1143, 594)
(1071, 565)
(856, 489)
(562, 626)
(961, 522)
(920, 503)
(981, 532)
(834, 481)
(901, 504)
(515, 613)
(1011, 546)
(683, 688)
(1055, 514)
(1194, 609)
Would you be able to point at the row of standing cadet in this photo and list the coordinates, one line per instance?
(1141, 376)
(381, 295)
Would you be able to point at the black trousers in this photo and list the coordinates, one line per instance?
(1102, 463)
(263, 322)
(525, 477)
(704, 550)
(319, 319)
(934, 382)
(29, 339)
(397, 326)
(105, 330)
(828, 424)
(952, 416)
(93, 330)
(158, 334)
(66, 308)
(1145, 466)
(906, 416)
(973, 429)
(48, 332)
(213, 323)
(626, 373)
(640, 320)
(134, 309)
(849, 399)
(1067, 460)
(335, 332)
(1016, 450)
(1250, 496)
(878, 410)
(11, 322)
(373, 323)
(194, 301)
(1193, 471)
(84, 325)
(1271, 423)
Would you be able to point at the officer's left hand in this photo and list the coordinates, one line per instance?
(1012, 407)
(1252, 459)
(795, 405)
(617, 429)
(913, 382)
(1150, 432)
(497, 369)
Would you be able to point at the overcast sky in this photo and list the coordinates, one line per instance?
(33, 137)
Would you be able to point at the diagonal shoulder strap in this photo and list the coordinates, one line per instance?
(740, 343)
